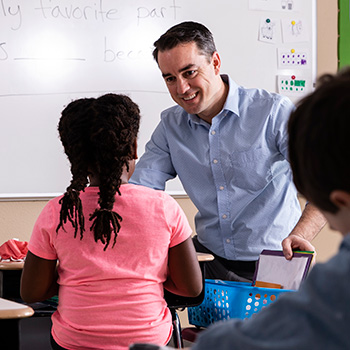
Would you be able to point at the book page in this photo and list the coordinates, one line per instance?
(276, 269)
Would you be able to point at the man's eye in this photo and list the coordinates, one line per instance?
(169, 80)
(190, 73)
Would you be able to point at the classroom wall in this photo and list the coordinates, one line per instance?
(17, 217)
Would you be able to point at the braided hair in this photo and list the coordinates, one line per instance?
(97, 134)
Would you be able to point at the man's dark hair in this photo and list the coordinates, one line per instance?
(319, 148)
(183, 33)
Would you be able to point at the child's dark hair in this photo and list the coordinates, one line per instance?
(97, 134)
(319, 149)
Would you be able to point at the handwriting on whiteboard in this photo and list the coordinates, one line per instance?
(99, 11)
(103, 12)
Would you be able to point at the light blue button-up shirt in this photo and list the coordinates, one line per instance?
(235, 171)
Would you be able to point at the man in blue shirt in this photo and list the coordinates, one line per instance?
(228, 145)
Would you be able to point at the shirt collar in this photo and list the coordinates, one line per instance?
(231, 103)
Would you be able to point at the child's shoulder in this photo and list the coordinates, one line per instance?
(53, 202)
(146, 191)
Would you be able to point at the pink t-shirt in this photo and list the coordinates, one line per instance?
(110, 299)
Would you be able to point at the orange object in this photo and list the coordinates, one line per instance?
(268, 285)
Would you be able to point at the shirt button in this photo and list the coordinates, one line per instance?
(224, 216)
(228, 240)
(215, 161)
(221, 188)
(213, 132)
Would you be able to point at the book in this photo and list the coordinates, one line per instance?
(274, 268)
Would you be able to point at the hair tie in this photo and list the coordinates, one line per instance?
(104, 209)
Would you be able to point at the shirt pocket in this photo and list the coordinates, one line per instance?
(250, 170)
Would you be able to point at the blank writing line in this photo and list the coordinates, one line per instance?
(82, 92)
(48, 59)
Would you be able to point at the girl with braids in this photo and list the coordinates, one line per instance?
(106, 247)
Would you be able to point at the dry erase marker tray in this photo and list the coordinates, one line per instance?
(225, 300)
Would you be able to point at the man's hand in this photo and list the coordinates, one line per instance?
(294, 242)
(308, 226)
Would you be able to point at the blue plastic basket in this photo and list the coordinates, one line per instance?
(224, 300)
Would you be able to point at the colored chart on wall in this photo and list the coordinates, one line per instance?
(344, 33)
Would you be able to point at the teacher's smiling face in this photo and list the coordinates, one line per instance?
(193, 81)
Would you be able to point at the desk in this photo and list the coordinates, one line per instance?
(11, 265)
(25, 328)
(202, 257)
(18, 265)
(21, 329)
(12, 316)
(11, 310)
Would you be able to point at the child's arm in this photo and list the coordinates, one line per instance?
(39, 279)
(185, 277)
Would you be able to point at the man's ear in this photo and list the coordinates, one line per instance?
(340, 198)
(216, 62)
(135, 150)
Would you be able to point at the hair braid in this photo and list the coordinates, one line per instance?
(116, 145)
(74, 143)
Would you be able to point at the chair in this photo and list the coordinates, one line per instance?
(179, 302)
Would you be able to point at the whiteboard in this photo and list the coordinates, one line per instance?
(55, 51)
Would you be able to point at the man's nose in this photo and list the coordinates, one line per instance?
(182, 86)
